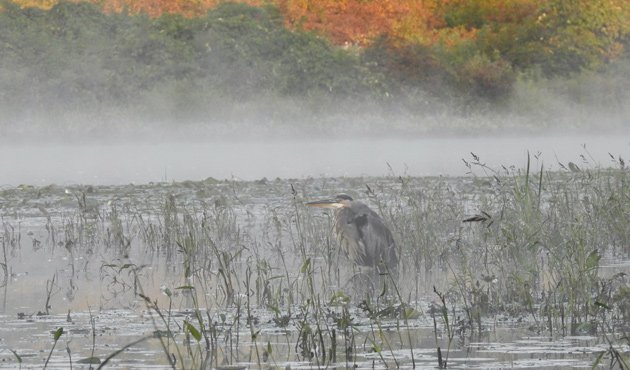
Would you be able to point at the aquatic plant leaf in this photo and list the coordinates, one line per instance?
(160, 333)
(126, 266)
(574, 167)
(339, 298)
(186, 287)
(598, 360)
(18, 357)
(193, 331)
(592, 261)
(602, 305)
(410, 313)
(305, 266)
(90, 360)
(476, 218)
(168, 292)
(58, 334)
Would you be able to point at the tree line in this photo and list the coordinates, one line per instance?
(61, 55)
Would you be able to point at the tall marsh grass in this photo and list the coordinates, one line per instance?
(508, 242)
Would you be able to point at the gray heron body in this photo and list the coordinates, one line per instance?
(362, 234)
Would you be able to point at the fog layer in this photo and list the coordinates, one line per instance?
(75, 72)
(250, 160)
(235, 93)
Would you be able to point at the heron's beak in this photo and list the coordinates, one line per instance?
(327, 203)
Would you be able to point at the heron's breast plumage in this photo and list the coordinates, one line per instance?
(364, 237)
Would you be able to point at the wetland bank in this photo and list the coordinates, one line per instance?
(231, 273)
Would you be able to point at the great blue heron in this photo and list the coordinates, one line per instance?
(362, 234)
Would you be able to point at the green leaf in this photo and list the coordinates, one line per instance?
(602, 305)
(186, 287)
(90, 360)
(340, 298)
(384, 290)
(58, 334)
(305, 266)
(18, 357)
(598, 360)
(125, 266)
(193, 331)
(269, 350)
(592, 261)
(411, 313)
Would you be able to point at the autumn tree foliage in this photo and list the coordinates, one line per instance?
(41, 4)
(475, 44)
(155, 8)
(152, 8)
(360, 22)
(553, 34)
(573, 34)
(499, 24)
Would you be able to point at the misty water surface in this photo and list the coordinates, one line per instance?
(90, 282)
(124, 163)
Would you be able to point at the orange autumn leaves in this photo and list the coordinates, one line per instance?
(344, 22)
(359, 22)
(153, 8)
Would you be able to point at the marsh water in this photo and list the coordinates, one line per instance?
(89, 230)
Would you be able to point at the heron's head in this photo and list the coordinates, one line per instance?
(339, 201)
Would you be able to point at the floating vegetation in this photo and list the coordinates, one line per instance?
(495, 267)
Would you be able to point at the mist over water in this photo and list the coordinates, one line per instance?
(125, 163)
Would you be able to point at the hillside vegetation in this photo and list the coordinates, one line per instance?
(80, 66)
